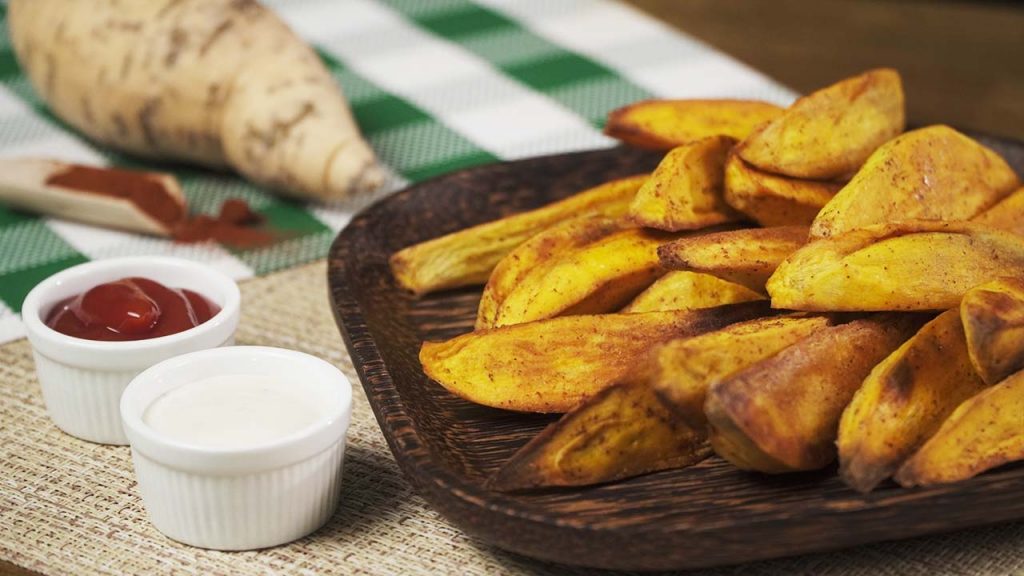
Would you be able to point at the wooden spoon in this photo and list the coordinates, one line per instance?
(136, 201)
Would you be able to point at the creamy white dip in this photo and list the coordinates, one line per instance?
(234, 411)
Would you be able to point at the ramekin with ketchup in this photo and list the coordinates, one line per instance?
(95, 326)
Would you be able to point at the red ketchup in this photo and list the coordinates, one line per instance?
(130, 309)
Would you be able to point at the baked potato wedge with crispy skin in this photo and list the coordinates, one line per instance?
(665, 124)
(993, 319)
(681, 290)
(748, 256)
(685, 191)
(904, 401)
(911, 265)
(622, 431)
(984, 432)
(782, 413)
(540, 251)
(553, 365)
(602, 276)
(468, 256)
(774, 200)
(1007, 215)
(933, 173)
(831, 132)
(682, 370)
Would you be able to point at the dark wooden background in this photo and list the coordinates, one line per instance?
(962, 62)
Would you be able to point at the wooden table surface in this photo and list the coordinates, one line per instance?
(962, 62)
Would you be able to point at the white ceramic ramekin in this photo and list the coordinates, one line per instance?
(82, 380)
(240, 499)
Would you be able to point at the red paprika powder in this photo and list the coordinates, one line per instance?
(235, 225)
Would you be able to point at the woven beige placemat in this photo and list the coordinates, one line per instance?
(71, 507)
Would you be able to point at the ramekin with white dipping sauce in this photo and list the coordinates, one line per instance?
(238, 448)
(81, 379)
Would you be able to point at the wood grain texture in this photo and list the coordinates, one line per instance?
(9, 569)
(959, 60)
(711, 514)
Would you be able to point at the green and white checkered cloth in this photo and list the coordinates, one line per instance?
(436, 85)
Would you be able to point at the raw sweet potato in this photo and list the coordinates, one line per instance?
(214, 82)
(468, 256)
(665, 124)
(540, 251)
(984, 432)
(782, 414)
(1007, 215)
(553, 365)
(622, 431)
(685, 191)
(904, 401)
(831, 132)
(773, 200)
(911, 265)
(681, 290)
(747, 257)
(933, 173)
(683, 370)
(993, 319)
(599, 277)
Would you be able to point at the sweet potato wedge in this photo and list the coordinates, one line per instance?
(622, 431)
(933, 173)
(683, 370)
(911, 265)
(665, 124)
(685, 191)
(904, 401)
(1007, 215)
(830, 132)
(602, 276)
(681, 290)
(553, 365)
(773, 200)
(540, 251)
(468, 256)
(747, 257)
(984, 432)
(993, 319)
(782, 414)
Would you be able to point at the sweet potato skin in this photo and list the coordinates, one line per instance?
(540, 251)
(685, 191)
(830, 132)
(622, 431)
(782, 414)
(774, 200)
(910, 265)
(665, 124)
(984, 432)
(467, 257)
(993, 319)
(683, 370)
(904, 400)
(933, 173)
(748, 256)
(681, 290)
(221, 83)
(553, 365)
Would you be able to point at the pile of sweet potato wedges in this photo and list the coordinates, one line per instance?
(788, 287)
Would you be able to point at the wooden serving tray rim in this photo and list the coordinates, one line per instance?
(481, 512)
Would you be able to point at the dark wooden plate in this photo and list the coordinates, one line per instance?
(710, 514)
